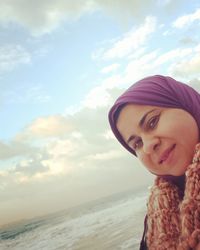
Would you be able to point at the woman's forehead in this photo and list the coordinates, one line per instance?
(136, 110)
(130, 113)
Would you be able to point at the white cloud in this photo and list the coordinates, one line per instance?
(62, 147)
(97, 97)
(77, 160)
(172, 55)
(59, 161)
(110, 68)
(61, 144)
(110, 155)
(71, 110)
(187, 68)
(29, 167)
(11, 56)
(15, 149)
(114, 80)
(46, 127)
(100, 96)
(195, 83)
(108, 135)
(42, 17)
(186, 63)
(154, 62)
(22, 94)
(188, 41)
(138, 66)
(141, 65)
(185, 20)
(68, 143)
(130, 41)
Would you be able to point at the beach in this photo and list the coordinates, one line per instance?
(109, 223)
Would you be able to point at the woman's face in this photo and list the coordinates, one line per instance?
(163, 138)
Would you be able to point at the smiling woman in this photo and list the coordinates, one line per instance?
(158, 120)
(158, 126)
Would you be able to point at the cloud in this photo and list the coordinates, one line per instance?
(126, 11)
(109, 135)
(97, 97)
(100, 96)
(46, 127)
(182, 62)
(188, 67)
(29, 167)
(22, 94)
(42, 17)
(48, 159)
(130, 41)
(14, 149)
(195, 83)
(11, 56)
(63, 145)
(73, 155)
(157, 61)
(105, 155)
(188, 41)
(186, 20)
(110, 68)
(150, 62)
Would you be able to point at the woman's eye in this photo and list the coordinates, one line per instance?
(137, 144)
(153, 121)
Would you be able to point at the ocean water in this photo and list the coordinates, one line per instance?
(111, 223)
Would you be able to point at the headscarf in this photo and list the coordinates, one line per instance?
(157, 90)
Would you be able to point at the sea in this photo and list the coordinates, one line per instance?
(110, 223)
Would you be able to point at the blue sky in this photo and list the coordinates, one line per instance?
(55, 70)
(62, 64)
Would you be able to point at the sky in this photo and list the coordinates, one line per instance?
(62, 65)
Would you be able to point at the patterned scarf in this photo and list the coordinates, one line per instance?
(173, 217)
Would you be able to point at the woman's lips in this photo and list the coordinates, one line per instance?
(166, 154)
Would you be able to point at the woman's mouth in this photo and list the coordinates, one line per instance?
(166, 156)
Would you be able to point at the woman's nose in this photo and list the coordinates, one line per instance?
(150, 144)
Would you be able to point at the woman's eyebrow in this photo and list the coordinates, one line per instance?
(141, 123)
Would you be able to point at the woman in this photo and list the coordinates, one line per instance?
(158, 120)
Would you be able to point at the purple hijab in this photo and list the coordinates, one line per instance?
(160, 91)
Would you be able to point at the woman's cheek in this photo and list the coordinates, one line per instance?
(144, 160)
